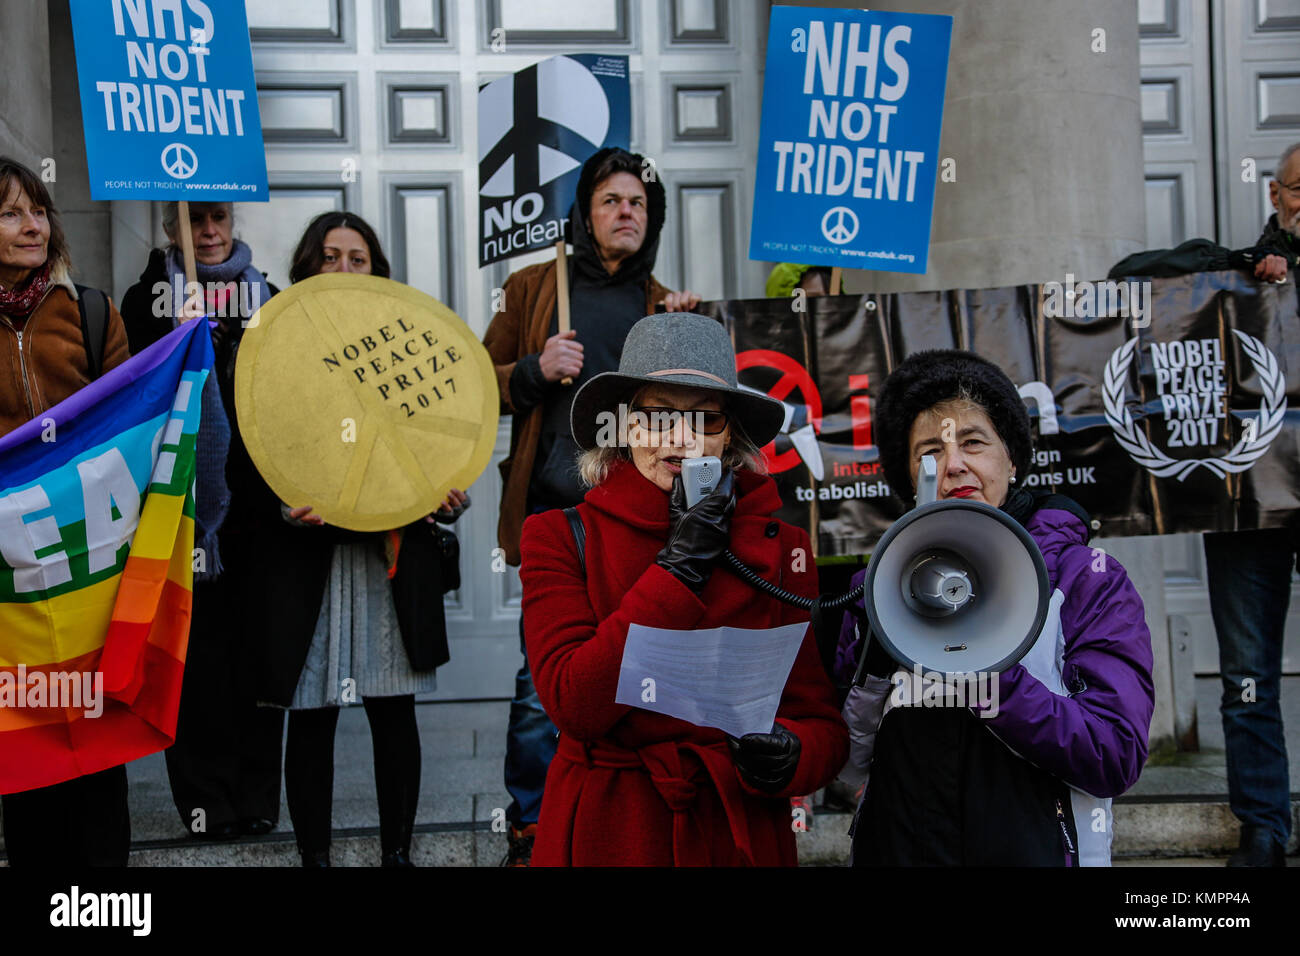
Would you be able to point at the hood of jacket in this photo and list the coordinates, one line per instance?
(636, 267)
(1274, 235)
(1055, 528)
(1054, 521)
(61, 276)
(155, 269)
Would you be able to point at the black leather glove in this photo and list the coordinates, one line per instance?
(766, 762)
(696, 536)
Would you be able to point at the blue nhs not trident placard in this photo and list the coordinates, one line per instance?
(848, 149)
(168, 100)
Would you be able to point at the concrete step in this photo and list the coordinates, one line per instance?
(1176, 827)
(467, 844)
(1177, 810)
(1168, 831)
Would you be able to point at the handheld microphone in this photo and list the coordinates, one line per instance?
(699, 477)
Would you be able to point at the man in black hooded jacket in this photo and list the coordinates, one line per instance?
(614, 227)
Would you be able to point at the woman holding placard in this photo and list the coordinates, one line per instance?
(224, 768)
(342, 627)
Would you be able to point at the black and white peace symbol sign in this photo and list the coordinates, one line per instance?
(537, 125)
(840, 224)
(179, 161)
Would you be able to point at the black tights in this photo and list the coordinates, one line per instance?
(309, 771)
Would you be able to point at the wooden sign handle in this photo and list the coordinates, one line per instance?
(187, 245)
(562, 293)
(837, 274)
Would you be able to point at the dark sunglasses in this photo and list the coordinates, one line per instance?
(663, 420)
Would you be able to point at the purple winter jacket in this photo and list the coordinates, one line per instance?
(1096, 738)
(1027, 785)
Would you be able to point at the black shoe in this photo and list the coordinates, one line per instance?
(256, 826)
(222, 831)
(398, 858)
(521, 845)
(1258, 848)
(315, 859)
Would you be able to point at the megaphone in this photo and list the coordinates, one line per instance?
(956, 586)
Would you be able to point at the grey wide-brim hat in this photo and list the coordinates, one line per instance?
(676, 348)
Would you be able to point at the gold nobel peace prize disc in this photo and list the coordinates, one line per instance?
(364, 398)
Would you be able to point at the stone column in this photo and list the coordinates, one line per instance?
(25, 121)
(1046, 135)
(88, 224)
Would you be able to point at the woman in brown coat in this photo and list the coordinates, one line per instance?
(43, 360)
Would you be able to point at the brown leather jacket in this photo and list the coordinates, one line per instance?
(522, 329)
(43, 360)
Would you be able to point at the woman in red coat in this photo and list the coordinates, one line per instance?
(629, 786)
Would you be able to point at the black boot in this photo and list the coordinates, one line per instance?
(1258, 848)
(256, 826)
(398, 858)
(315, 858)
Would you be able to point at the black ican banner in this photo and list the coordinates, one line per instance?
(1161, 406)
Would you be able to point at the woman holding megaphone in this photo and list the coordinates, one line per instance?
(628, 785)
(1026, 777)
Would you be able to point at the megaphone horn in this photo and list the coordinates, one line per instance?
(938, 583)
(956, 586)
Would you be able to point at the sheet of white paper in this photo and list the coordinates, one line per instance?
(730, 678)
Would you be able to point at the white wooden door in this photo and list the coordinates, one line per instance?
(1220, 86)
(369, 106)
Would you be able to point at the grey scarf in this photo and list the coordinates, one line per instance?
(212, 494)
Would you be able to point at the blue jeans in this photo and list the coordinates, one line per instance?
(1250, 587)
(530, 745)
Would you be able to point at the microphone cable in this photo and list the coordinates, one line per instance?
(752, 577)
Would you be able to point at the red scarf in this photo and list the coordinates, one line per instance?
(19, 301)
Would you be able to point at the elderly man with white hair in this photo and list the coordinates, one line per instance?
(1250, 588)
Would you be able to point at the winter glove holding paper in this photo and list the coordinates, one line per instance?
(766, 762)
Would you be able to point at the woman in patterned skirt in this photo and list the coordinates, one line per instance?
(341, 633)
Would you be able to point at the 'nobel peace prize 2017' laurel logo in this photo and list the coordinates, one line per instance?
(1189, 380)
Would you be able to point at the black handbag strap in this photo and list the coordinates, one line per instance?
(93, 306)
(579, 536)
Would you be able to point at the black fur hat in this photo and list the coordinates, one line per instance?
(925, 379)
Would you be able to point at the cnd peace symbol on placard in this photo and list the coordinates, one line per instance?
(364, 398)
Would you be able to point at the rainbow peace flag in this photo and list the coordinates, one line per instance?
(96, 565)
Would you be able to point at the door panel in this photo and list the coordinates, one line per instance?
(1192, 151)
(369, 105)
